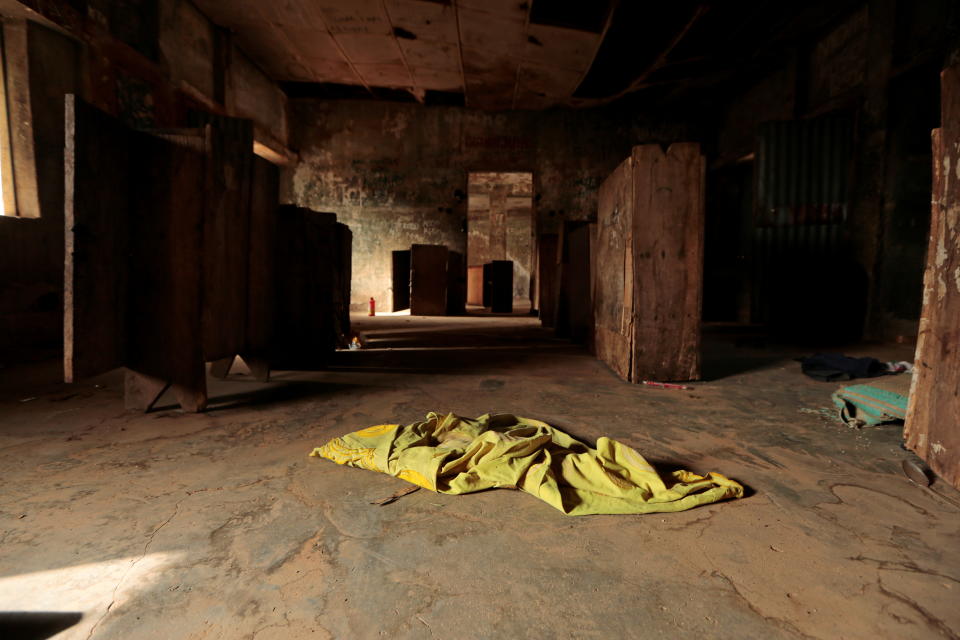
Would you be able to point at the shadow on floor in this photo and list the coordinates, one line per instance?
(276, 392)
(35, 625)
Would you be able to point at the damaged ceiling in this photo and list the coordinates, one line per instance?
(499, 54)
(506, 54)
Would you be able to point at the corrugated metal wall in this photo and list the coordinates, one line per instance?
(802, 183)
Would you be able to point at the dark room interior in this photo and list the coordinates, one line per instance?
(686, 273)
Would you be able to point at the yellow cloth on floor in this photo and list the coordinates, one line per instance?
(454, 455)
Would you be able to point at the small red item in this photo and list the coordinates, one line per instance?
(373, 307)
(666, 385)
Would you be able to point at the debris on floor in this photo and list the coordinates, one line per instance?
(450, 454)
(836, 367)
(866, 405)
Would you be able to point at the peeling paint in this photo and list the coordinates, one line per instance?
(392, 171)
(938, 448)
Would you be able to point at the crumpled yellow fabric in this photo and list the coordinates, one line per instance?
(455, 455)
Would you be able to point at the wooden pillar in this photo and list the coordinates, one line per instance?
(649, 279)
(932, 426)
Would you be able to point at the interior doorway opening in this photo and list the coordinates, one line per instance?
(500, 227)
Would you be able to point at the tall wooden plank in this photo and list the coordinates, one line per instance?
(163, 294)
(264, 200)
(226, 237)
(613, 279)
(668, 261)
(932, 428)
(428, 280)
(96, 206)
(547, 278)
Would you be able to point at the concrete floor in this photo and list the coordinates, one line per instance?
(218, 525)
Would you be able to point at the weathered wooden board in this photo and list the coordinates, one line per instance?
(428, 280)
(401, 279)
(547, 278)
(668, 225)
(98, 173)
(932, 427)
(613, 304)
(226, 234)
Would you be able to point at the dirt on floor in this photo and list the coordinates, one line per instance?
(218, 525)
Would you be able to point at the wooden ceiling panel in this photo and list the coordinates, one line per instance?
(513, 10)
(366, 17)
(311, 44)
(556, 46)
(425, 20)
(438, 80)
(385, 75)
(474, 46)
(431, 55)
(368, 49)
(549, 81)
(292, 13)
(491, 34)
(331, 71)
(233, 15)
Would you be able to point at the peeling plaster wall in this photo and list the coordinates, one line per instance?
(500, 224)
(397, 173)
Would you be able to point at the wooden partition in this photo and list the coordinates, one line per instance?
(428, 279)
(261, 269)
(932, 429)
(307, 311)
(649, 264)
(132, 257)
(176, 255)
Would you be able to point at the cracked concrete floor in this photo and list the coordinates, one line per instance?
(172, 525)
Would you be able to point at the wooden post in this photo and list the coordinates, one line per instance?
(932, 427)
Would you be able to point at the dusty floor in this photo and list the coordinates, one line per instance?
(171, 525)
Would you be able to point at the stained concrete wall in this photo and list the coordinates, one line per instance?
(397, 173)
(500, 224)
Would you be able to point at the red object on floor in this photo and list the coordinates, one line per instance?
(373, 307)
